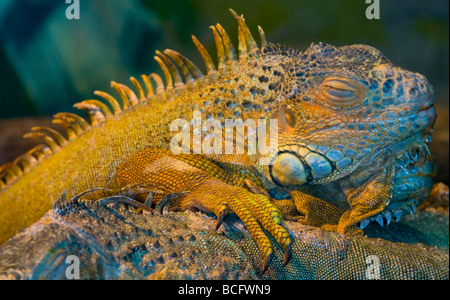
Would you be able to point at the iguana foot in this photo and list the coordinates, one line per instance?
(207, 193)
(146, 207)
(328, 217)
(136, 190)
(255, 210)
(62, 203)
(131, 194)
(124, 200)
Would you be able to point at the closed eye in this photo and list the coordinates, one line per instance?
(333, 92)
(342, 92)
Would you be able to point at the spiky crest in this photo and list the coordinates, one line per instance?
(99, 111)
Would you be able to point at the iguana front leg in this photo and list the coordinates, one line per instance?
(208, 191)
(367, 192)
(317, 212)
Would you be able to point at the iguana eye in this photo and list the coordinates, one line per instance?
(342, 92)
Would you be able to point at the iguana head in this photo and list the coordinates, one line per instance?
(342, 105)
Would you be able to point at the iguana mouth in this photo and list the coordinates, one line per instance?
(427, 107)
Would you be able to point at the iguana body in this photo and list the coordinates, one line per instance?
(116, 242)
(353, 130)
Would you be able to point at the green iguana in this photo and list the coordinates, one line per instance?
(353, 130)
(116, 241)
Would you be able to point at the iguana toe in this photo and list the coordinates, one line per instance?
(167, 200)
(223, 211)
(256, 211)
(125, 200)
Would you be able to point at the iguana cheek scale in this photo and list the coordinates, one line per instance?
(352, 140)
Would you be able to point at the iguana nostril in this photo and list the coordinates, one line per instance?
(421, 88)
(414, 91)
(289, 170)
(422, 93)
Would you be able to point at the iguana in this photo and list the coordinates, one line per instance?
(353, 130)
(117, 241)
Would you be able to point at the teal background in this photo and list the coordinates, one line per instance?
(48, 62)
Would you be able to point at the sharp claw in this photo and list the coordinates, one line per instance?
(149, 199)
(219, 222)
(221, 217)
(287, 254)
(77, 197)
(126, 200)
(60, 202)
(266, 263)
(167, 201)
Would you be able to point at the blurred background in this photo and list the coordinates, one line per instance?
(49, 62)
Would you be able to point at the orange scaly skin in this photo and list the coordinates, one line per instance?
(352, 140)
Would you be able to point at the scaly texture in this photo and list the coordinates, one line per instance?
(352, 129)
(115, 242)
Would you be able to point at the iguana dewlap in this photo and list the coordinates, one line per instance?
(353, 130)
